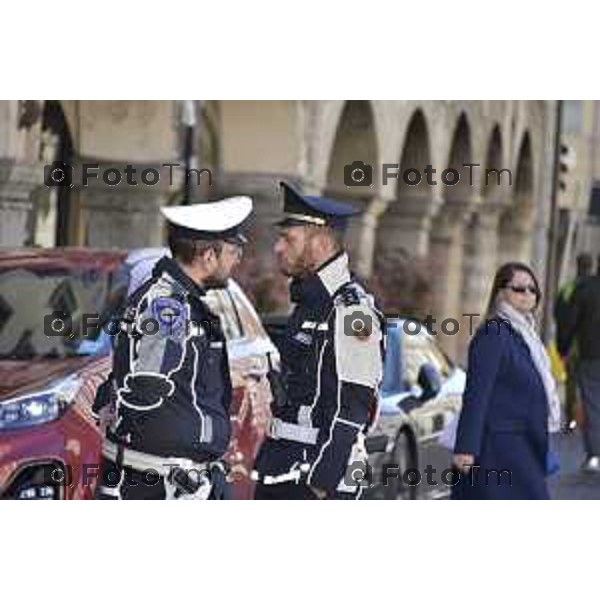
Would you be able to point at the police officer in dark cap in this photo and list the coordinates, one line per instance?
(332, 361)
(170, 383)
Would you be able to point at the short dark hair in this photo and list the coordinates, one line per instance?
(504, 276)
(186, 250)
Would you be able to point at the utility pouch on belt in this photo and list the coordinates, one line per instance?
(183, 484)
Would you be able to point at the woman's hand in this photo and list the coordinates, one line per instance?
(463, 462)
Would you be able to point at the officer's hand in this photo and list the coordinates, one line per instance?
(318, 492)
(463, 462)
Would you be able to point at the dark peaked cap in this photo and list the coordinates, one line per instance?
(313, 210)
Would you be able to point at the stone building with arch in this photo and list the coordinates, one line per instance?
(464, 231)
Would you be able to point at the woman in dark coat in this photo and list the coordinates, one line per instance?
(510, 401)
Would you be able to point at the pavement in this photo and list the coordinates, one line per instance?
(569, 483)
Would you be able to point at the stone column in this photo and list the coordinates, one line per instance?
(123, 216)
(479, 266)
(17, 214)
(481, 259)
(361, 236)
(446, 259)
(515, 240)
(406, 224)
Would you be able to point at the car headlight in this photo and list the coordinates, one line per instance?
(40, 407)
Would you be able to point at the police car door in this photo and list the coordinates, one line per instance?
(430, 417)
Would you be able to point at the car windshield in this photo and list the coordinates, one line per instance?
(420, 350)
(32, 300)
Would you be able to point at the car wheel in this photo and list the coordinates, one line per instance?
(404, 456)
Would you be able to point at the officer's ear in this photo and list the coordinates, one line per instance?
(325, 239)
(208, 252)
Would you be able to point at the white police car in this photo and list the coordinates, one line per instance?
(421, 392)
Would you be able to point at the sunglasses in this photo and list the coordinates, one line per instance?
(521, 289)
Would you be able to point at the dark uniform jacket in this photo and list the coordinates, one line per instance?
(331, 378)
(170, 371)
(581, 321)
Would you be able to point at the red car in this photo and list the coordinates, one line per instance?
(48, 382)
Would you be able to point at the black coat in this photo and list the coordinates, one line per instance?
(580, 321)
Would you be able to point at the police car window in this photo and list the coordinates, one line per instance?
(393, 365)
(419, 350)
(33, 302)
(415, 356)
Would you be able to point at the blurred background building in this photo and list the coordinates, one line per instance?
(425, 249)
(579, 183)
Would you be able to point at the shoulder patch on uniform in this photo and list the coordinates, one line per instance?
(304, 338)
(351, 294)
(170, 313)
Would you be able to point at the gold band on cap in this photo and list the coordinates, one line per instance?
(307, 218)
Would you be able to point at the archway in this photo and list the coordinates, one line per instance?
(403, 229)
(405, 225)
(355, 145)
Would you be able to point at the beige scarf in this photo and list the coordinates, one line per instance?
(525, 325)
